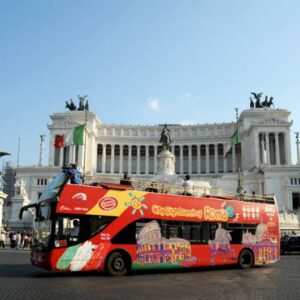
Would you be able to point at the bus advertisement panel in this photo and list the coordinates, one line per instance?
(123, 230)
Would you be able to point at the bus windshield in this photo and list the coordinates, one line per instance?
(73, 229)
(43, 225)
(53, 188)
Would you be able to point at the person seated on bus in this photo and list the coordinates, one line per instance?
(188, 186)
(153, 187)
(76, 175)
(126, 179)
(74, 232)
(163, 189)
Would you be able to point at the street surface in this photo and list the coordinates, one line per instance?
(20, 280)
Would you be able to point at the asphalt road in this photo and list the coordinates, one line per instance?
(20, 280)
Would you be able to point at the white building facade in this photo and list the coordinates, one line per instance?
(112, 149)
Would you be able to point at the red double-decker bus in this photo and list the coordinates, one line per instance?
(119, 229)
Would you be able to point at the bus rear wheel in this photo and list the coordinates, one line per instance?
(246, 259)
(117, 264)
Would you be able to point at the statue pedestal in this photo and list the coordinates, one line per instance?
(166, 163)
(165, 168)
(19, 200)
(2, 197)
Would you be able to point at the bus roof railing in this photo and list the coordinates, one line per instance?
(177, 189)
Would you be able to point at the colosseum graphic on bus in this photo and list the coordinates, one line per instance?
(154, 249)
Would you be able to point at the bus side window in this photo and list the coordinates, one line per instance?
(208, 231)
(171, 229)
(126, 236)
(237, 231)
(195, 233)
(165, 232)
(88, 227)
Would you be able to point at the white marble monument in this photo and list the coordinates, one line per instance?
(166, 163)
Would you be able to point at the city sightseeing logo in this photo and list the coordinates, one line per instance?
(79, 196)
(108, 203)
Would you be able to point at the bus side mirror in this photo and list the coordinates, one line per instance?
(26, 207)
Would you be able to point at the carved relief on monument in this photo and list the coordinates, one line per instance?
(274, 122)
(62, 124)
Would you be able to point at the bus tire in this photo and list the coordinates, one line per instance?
(246, 259)
(118, 264)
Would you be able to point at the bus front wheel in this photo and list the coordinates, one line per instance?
(117, 264)
(246, 259)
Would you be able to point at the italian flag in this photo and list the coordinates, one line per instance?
(234, 140)
(59, 141)
(74, 137)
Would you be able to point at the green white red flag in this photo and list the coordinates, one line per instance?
(234, 140)
(74, 137)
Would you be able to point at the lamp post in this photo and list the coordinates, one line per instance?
(42, 137)
(239, 189)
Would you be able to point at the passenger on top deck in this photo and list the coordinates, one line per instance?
(188, 186)
(153, 187)
(126, 179)
(163, 189)
(76, 175)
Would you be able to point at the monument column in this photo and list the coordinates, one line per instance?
(112, 159)
(61, 156)
(138, 159)
(51, 149)
(298, 150)
(277, 148)
(207, 158)
(181, 159)
(263, 151)
(287, 142)
(198, 159)
(147, 159)
(190, 159)
(129, 158)
(216, 159)
(42, 137)
(103, 158)
(72, 153)
(256, 149)
(225, 168)
(121, 160)
(155, 158)
(268, 147)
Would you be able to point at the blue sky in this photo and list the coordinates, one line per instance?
(143, 62)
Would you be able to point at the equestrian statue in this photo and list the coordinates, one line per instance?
(165, 138)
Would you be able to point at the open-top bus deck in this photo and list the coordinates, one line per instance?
(123, 229)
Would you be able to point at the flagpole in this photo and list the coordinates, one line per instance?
(18, 155)
(85, 124)
(239, 189)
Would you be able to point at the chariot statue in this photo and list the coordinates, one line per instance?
(268, 102)
(83, 104)
(70, 105)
